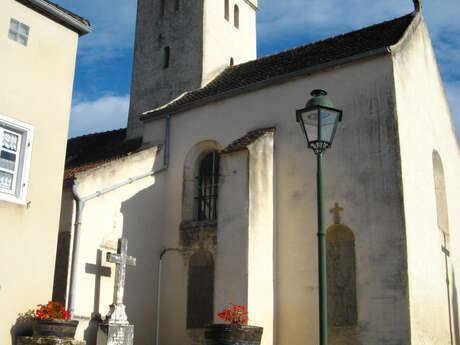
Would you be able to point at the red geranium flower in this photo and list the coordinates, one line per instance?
(235, 314)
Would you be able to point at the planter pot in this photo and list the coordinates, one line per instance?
(219, 334)
(54, 328)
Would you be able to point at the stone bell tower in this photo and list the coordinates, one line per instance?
(180, 45)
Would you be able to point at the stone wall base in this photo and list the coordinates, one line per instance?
(48, 341)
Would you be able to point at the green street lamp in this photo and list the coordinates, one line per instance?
(319, 120)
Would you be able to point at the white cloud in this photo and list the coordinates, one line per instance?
(103, 114)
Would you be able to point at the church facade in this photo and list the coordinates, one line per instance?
(214, 188)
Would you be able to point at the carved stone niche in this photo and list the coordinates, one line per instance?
(341, 277)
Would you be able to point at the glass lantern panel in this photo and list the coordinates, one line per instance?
(329, 120)
(310, 120)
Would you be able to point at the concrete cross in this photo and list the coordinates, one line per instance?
(336, 211)
(117, 313)
(99, 271)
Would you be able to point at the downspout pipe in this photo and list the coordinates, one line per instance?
(80, 205)
(160, 264)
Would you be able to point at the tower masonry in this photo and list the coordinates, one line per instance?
(181, 45)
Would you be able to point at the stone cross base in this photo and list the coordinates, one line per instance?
(115, 334)
(48, 341)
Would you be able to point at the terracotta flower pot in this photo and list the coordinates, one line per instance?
(220, 334)
(54, 328)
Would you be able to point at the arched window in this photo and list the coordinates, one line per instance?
(227, 10)
(232, 62)
(177, 6)
(236, 19)
(207, 183)
(166, 57)
(200, 290)
(341, 277)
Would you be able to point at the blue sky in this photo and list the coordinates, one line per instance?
(104, 61)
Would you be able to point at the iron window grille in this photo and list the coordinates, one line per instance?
(208, 182)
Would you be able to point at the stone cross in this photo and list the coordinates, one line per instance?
(117, 313)
(336, 211)
(99, 271)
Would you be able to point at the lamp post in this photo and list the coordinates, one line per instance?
(318, 121)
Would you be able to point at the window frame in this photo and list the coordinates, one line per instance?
(15, 34)
(24, 153)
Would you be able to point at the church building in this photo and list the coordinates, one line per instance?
(214, 187)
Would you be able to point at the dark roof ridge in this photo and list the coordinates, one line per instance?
(356, 45)
(322, 41)
(247, 139)
(60, 15)
(111, 131)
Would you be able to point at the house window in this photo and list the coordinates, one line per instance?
(166, 57)
(236, 19)
(18, 32)
(208, 181)
(227, 10)
(15, 149)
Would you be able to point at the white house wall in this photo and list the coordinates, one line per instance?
(36, 89)
(127, 212)
(361, 173)
(425, 124)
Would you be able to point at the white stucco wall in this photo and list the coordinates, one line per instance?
(125, 212)
(37, 83)
(231, 278)
(261, 259)
(425, 124)
(222, 40)
(361, 173)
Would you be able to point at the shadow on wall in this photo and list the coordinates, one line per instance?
(455, 309)
(142, 226)
(90, 334)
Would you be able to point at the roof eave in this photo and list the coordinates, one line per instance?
(160, 113)
(408, 33)
(58, 15)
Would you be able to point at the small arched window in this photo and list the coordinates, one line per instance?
(177, 6)
(166, 57)
(208, 181)
(232, 62)
(236, 19)
(227, 10)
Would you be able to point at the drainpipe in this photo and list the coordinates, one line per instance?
(163, 252)
(80, 205)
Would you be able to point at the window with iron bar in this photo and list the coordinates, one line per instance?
(208, 182)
